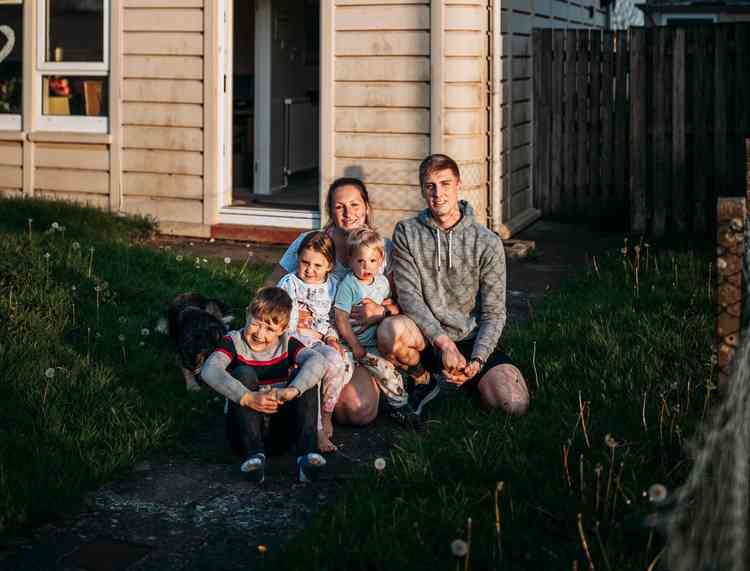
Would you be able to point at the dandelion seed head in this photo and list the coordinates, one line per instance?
(55, 226)
(459, 548)
(227, 260)
(624, 251)
(47, 255)
(637, 249)
(657, 493)
(31, 220)
(610, 441)
(50, 373)
(205, 260)
(76, 245)
(141, 344)
(73, 288)
(122, 320)
(598, 468)
(121, 338)
(178, 257)
(191, 243)
(379, 464)
(98, 335)
(91, 249)
(145, 332)
(212, 240)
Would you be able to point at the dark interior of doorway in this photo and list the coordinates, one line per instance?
(295, 71)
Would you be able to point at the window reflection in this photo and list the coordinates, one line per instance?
(75, 31)
(11, 58)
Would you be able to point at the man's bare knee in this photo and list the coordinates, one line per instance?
(504, 388)
(358, 401)
(400, 341)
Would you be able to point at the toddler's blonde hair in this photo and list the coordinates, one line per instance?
(364, 237)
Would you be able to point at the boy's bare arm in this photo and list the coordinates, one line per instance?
(347, 333)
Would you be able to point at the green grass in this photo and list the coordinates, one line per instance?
(88, 386)
(600, 340)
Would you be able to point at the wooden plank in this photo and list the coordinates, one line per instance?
(465, 18)
(383, 95)
(464, 43)
(556, 138)
(595, 202)
(163, 3)
(697, 38)
(163, 67)
(402, 17)
(464, 122)
(659, 87)
(382, 146)
(373, 120)
(162, 185)
(386, 197)
(621, 132)
(721, 79)
(100, 201)
(11, 177)
(164, 114)
(70, 156)
(386, 43)
(163, 91)
(404, 68)
(540, 198)
(462, 69)
(582, 124)
(680, 206)
(11, 154)
(544, 141)
(163, 43)
(168, 209)
(72, 180)
(164, 138)
(568, 191)
(607, 123)
(742, 89)
(168, 162)
(380, 170)
(163, 20)
(462, 96)
(465, 148)
(638, 130)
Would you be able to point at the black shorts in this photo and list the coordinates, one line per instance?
(432, 361)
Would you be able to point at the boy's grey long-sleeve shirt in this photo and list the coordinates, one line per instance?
(451, 282)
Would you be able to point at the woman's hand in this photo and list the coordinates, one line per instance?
(310, 333)
(287, 394)
(333, 342)
(265, 402)
(368, 313)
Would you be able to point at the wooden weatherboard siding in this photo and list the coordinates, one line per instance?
(163, 109)
(11, 168)
(381, 101)
(518, 19)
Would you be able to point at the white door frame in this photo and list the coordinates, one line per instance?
(262, 97)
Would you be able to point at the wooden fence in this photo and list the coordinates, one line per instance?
(645, 125)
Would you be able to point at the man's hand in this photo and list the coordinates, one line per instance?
(333, 342)
(368, 313)
(392, 307)
(287, 394)
(453, 360)
(359, 352)
(460, 376)
(265, 402)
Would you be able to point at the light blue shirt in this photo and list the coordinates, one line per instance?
(289, 260)
(351, 291)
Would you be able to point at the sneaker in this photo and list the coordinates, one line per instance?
(406, 415)
(254, 468)
(420, 395)
(310, 466)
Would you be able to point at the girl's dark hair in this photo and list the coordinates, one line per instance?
(348, 181)
(319, 242)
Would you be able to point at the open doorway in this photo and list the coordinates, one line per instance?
(275, 104)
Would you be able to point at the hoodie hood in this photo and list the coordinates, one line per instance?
(467, 220)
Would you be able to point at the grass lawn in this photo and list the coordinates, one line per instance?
(88, 386)
(619, 361)
(622, 372)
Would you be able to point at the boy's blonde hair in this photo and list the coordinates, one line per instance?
(364, 237)
(271, 304)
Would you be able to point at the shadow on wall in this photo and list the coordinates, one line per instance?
(354, 171)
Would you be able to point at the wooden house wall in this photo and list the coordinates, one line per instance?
(518, 18)
(162, 110)
(11, 168)
(381, 101)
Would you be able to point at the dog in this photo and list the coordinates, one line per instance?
(196, 324)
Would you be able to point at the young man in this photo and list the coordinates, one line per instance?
(449, 273)
(251, 368)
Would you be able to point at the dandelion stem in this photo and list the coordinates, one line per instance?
(498, 527)
(566, 469)
(596, 268)
(583, 420)
(584, 543)
(581, 481)
(468, 544)
(601, 546)
(655, 561)
(609, 479)
(643, 412)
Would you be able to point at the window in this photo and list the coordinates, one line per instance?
(73, 61)
(11, 63)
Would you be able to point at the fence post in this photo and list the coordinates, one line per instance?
(638, 131)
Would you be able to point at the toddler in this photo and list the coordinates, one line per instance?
(312, 289)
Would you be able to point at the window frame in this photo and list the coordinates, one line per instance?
(77, 123)
(14, 121)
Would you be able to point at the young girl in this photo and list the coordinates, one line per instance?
(312, 289)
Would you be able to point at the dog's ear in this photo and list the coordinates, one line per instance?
(216, 334)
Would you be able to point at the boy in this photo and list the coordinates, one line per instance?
(251, 368)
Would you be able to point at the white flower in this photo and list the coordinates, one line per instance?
(55, 226)
(227, 260)
(75, 246)
(73, 288)
(657, 493)
(47, 255)
(459, 548)
(379, 464)
(145, 332)
(178, 257)
(610, 441)
(50, 373)
(205, 260)
(122, 319)
(121, 337)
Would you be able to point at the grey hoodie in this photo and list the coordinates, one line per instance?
(451, 282)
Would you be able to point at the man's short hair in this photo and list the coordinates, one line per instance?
(437, 162)
(364, 237)
(271, 304)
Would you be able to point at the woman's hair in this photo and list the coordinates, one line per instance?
(348, 181)
(271, 304)
(319, 242)
(364, 237)
(437, 162)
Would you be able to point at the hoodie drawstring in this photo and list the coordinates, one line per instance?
(437, 238)
(450, 250)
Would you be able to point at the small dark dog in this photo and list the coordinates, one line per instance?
(196, 324)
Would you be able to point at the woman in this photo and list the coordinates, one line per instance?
(348, 206)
